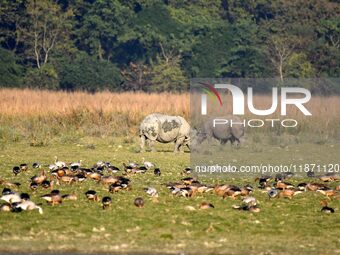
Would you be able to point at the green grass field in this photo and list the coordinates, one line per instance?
(282, 227)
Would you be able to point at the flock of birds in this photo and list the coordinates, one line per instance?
(189, 186)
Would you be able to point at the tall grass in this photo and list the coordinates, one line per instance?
(40, 116)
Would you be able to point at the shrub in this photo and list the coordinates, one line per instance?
(87, 73)
(10, 72)
(45, 77)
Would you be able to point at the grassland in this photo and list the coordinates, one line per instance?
(81, 126)
(282, 227)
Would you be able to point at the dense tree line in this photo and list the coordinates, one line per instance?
(155, 45)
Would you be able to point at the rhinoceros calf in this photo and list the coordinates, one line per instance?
(222, 132)
(164, 129)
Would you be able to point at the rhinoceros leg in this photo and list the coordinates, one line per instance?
(142, 143)
(179, 142)
(152, 145)
(235, 139)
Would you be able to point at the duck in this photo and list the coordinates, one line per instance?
(7, 191)
(187, 170)
(302, 186)
(232, 191)
(9, 184)
(185, 192)
(53, 167)
(132, 164)
(263, 180)
(23, 167)
(140, 169)
(113, 169)
(67, 179)
(76, 165)
(94, 176)
(92, 195)
(58, 173)
(121, 185)
(314, 186)
(16, 170)
(115, 187)
(273, 193)
(139, 202)
(327, 192)
(39, 179)
(107, 180)
(246, 190)
(335, 176)
(11, 198)
(36, 165)
(59, 164)
(157, 172)
(245, 207)
(100, 164)
(80, 177)
(71, 196)
(283, 185)
(152, 192)
(99, 169)
(325, 178)
(200, 188)
(221, 189)
(5, 207)
(147, 164)
(250, 201)
(283, 176)
(53, 198)
(188, 180)
(206, 205)
(34, 186)
(106, 202)
(28, 205)
(325, 208)
(46, 184)
(289, 193)
(25, 197)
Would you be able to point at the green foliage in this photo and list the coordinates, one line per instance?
(210, 38)
(45, 77)
(299, 66)
(10, 71)
(168, 76)
(87, 73)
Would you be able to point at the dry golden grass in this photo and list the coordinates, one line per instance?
(16, 102)
(30, 112)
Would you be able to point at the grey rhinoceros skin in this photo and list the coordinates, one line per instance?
(223, 133)
(164, 129)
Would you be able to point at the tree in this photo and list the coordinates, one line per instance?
(101, 26)
(13, 18)
(298, 66)
(10, 72)
(168, 76)
(136, 76)
(280, 48)
(47, 28)
(86, 72)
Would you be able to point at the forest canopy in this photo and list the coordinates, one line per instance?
(154, 45)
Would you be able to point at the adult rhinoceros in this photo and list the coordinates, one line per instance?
(222, 133)
(164, 129)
